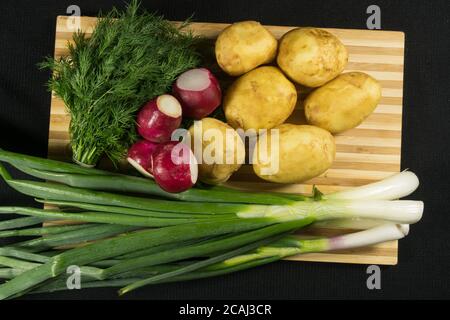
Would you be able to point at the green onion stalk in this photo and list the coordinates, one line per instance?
(291, 245)
(40, 231)
(72, 205)
(134, 241)
(20, 222)
(102, 217)
(22, 261)
(282, 248)
(332, 207)
(45, 164)
(134, 233)
(394, 187)
(285, 247)
(75, 237)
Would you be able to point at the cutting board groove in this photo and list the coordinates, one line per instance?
(365, 154)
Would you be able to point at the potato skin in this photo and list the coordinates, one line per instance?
(311, 57)
(343, 103)
(244, 46)
(260, 99)
(216, 173)
(304, 153)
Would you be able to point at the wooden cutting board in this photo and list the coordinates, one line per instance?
(365, 154)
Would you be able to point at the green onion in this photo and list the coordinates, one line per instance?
(9, 273)
(20, 222)
(53, 191)
(397, 211)
(41, 231)
(16, 263)
(124, 210)
(264, 255)
(102, 217)
(105, 263)
(120, 282)
(400, 211)
(162, 248)
(276, 251)
(397, 186)
(89, 233)
(190, 239)
(290, 245)
(204, 248)
(198, 274)
(109, 248)
(124, 183)
(213, 272)
(61, 285)
(23, 255)
(44, 164)
(195, 266)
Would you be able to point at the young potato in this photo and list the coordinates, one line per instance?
(311, 56)
(243, 46)
(299, 153)
(344, 102)
(260, 99)
(218, 148)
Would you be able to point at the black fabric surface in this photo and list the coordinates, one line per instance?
(27, 35)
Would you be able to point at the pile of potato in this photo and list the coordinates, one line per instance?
(263, 97)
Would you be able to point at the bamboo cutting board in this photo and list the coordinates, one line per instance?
(365, 154)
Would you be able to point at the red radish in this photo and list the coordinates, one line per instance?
(198, 91)
(174, 166)
(140, 156)
(158, 118)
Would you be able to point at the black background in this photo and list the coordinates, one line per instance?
(27, 35)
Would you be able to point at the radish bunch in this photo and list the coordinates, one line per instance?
(170, 163)
(196, 94)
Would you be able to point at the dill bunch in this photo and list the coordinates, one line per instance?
(131, 57)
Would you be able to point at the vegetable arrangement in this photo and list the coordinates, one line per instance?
(138, 75)
(161, 88)
(142, 240)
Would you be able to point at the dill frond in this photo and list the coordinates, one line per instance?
(131, 57)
